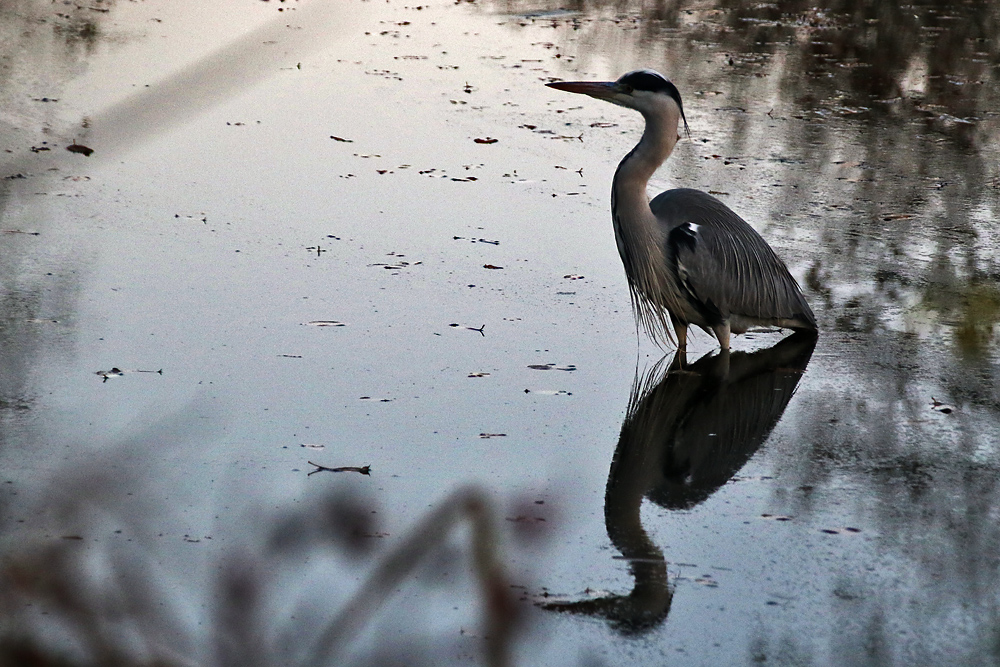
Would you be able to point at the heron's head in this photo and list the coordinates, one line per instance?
(644, 90)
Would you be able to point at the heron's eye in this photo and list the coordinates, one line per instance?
(627, 89)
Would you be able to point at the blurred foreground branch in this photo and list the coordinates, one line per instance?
(467, 504)
(63, 603)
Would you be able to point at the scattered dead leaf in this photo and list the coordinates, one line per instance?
(80, 148)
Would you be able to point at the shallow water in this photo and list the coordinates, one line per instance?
(257, 174)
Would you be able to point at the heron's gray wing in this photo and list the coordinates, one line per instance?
(724, 264)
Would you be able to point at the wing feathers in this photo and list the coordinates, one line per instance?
(727, 266)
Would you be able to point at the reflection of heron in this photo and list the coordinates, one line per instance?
(685, 435)
(685, 252)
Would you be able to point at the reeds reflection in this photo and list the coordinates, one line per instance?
(688, 430)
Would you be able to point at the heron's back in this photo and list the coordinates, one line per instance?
(725, 264)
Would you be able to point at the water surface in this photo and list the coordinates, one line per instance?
(288, 214)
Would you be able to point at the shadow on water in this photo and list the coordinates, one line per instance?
(688, 430)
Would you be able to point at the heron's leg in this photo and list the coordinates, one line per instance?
(723, 363)
(681, 329)
(722, 333)
(677, 362)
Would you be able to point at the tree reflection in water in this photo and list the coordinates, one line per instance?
(688, 430)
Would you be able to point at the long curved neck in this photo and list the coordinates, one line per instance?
(637, 232)
(635, 170)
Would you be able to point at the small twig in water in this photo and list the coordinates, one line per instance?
(117, 373)
(365, 470)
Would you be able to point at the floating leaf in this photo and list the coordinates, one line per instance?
(80, 148)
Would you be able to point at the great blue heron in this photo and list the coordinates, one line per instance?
(688, 257)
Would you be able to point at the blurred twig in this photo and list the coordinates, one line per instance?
(468, 504)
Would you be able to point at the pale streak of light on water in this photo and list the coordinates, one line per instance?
(218, 303)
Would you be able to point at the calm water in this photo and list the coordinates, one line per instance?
(288, 214)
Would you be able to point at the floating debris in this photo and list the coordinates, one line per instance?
(487, 436)
(479, 375)
(325, 323)
(943, 408)
(307, 446)
(487, 140)
(840, 531)
(481, 329)
(79, 148)
(491, 266)
(776, 517)
(364, 470)
(117, 373)
(549, 367)
(346, 141)
(549, 392)
(461, 238)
